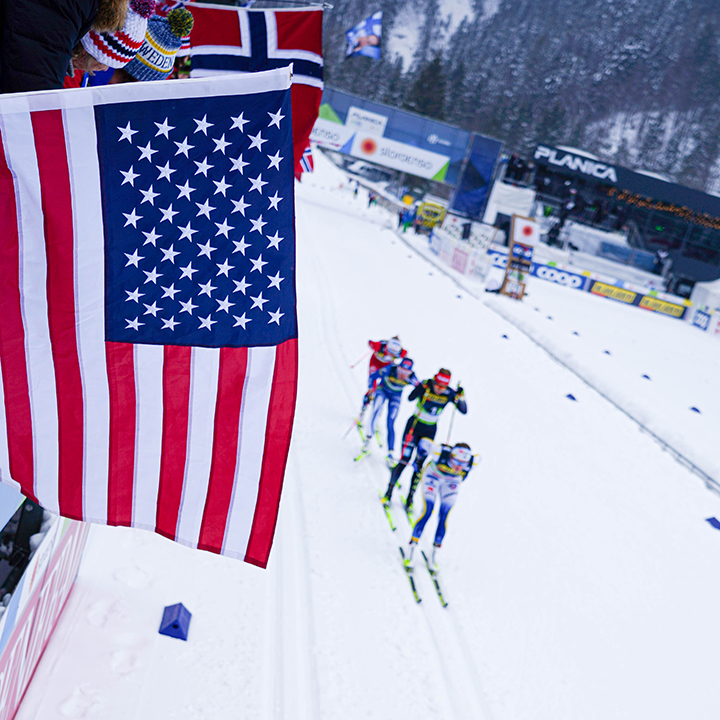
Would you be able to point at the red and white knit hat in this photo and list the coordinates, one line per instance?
(117, 49)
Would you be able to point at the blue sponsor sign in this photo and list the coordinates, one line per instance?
(544, 272)
(701, 319)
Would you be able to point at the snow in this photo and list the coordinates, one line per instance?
(404, 37)
(581, 574)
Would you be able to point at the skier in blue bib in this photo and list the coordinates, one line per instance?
(390, 381)
(440, 484)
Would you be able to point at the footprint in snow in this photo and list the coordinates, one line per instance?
(83, 701)
(133, 577)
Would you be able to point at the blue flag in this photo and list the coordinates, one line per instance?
(365, 37)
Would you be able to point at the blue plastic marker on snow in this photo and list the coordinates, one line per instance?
(175, 621)
(714, 522)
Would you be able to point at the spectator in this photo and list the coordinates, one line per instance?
(40, 39)
(99, 52)
(156, 58)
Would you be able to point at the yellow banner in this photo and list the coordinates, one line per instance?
(651, 303)
(615, 293)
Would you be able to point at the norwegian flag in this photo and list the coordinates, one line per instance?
(148, 336)
(306, 161)
(231, 40)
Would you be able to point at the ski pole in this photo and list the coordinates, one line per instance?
(357, 362)
(452, 419)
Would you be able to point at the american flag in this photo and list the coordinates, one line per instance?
(148, 336)
(238, 40)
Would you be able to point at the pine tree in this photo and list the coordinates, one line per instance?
(427, 94)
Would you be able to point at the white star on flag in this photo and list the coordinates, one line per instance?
(241, 286)
(257, 183)
(240, 205)
(238, 122)
(257, 225)
(164, 128)
(126, 133)
(203, 125)
(129, 176)
(256, 141)
(275, 118)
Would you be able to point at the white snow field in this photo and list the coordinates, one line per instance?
(581, 574)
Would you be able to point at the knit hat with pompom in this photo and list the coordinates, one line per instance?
(156, 57)
(117, 49)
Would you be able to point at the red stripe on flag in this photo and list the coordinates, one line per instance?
(305, 101)
(12, 340)
(121, 469)
(213, 26)
(277, 445)
(231, 380)
(59, 248)
(176, 408)
(299, 31)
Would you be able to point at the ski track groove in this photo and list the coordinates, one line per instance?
(458, 682)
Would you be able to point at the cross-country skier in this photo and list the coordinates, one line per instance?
(432, 397)
(440, 484)
(384, 353)
(391, 381)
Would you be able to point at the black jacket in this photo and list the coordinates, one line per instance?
(37, 38)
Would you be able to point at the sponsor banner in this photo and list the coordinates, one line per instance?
(544, 272)
(560, 277)
(647, 302)
(331, 135)
(400, 156)
(46, 585)
(701, 319)
(613, 292)
(366, 121)
(577, 163)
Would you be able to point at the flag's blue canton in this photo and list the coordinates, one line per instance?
(198, 213)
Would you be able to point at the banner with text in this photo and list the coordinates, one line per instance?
(400, 156)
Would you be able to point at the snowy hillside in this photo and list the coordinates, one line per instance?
(581, 574)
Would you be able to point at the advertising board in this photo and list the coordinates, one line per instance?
(33, 612)
(400, 156)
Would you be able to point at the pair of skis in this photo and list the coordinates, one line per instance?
(405, 561)
(433, 576)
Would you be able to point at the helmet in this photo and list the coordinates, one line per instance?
(460, 455)
(394, 347)
(405, 367)
(442, 377)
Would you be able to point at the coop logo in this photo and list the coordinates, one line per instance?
(558, 276)
(576, 163)
(435, 139)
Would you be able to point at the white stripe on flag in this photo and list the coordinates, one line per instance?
(205, 374)
(22, 160)
(89, 262)
(291, 54)
(251, 447)
(4, 454)
(148, 438)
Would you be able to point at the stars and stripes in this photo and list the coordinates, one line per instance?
(148, 337)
